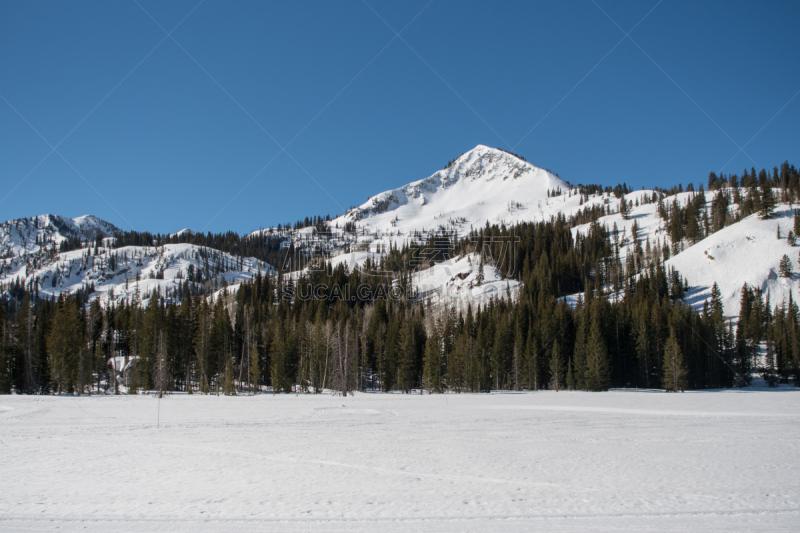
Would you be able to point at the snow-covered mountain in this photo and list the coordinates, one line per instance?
(490, 185)
(484, 184)
(31, 258)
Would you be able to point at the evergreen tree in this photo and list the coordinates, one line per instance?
(746, 339)
(624, 209)
(785, 267)
(716, 302)
(148, 341)
(24, 362)
(769, 358)
(228, 388)
(5, 353)
(132, 377)
(533, 362)
(432, 376)
(570, 376)
(767, 207)
(597, 371)
(407, 355)
(644, 349)
(479, 278)
(64, 344)
(796, 223)
(581, 339)
(556, 367)
(674, 375)
(281, 357)
(202, 344)
(255, 367)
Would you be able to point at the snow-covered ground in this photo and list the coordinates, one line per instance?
(613, 461)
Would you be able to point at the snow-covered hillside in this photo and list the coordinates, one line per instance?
(31, 259)
(40, 233)
(457, 283)
(746, 252)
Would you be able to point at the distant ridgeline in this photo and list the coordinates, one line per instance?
(586, 317)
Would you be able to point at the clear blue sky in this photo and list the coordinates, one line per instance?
(360, 110)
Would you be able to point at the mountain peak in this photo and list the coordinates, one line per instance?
(483, 184)
(482, 149)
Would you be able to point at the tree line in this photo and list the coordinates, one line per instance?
(266, 337)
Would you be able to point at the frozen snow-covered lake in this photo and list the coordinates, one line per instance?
(630, 461)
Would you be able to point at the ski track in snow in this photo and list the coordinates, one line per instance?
(566, 461)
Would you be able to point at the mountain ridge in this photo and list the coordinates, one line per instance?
(483, 186)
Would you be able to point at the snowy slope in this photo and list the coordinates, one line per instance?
(353, 260)
(483, 185)
(645, 215)
(746, 252)
(118, 274)
(455, 283)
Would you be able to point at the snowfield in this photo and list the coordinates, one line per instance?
(555, 461)
(746, 252)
